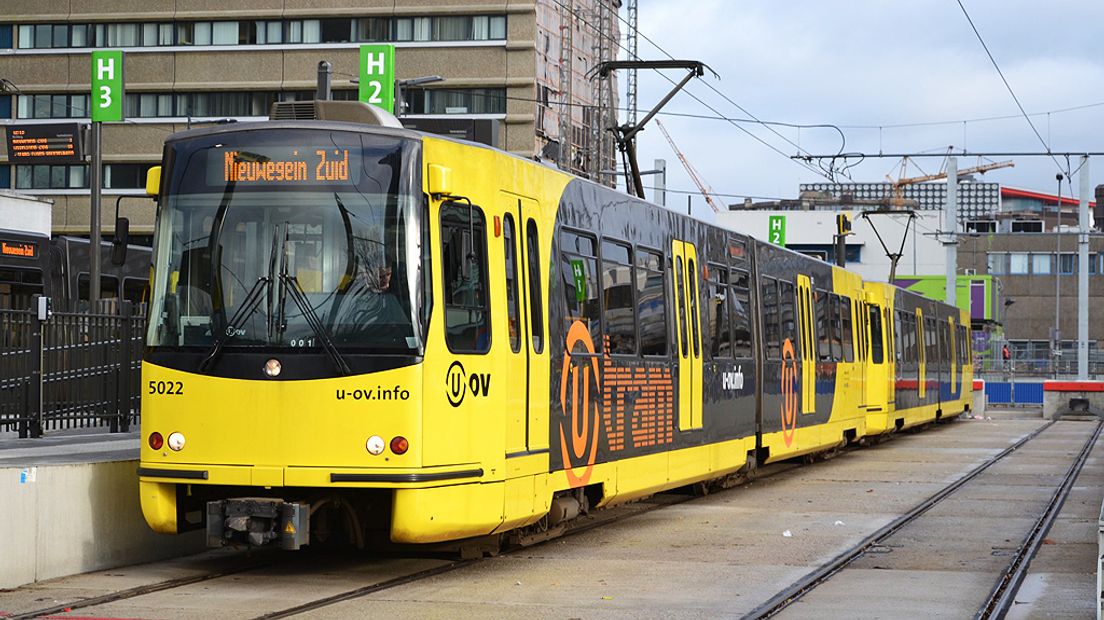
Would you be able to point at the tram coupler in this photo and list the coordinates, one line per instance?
(258, 521)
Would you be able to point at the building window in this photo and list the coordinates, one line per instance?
(1027, 226)
(981, 226)
(6, 38)
(1018, 263)
(455, 101)
(998, 263)
(1067, 263)
(1040, 263)
(116, 176)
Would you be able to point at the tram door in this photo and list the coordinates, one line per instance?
(688, 325)
(876, 357)
(922, 349)
(517, 332)
(951, 355)
(808, 344)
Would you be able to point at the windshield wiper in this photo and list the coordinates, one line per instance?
(252, 300)
(290, 287)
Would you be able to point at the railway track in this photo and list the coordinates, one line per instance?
(260, 567)
(267, 560)
(1002, 595)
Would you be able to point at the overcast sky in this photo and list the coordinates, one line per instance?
(872, 63)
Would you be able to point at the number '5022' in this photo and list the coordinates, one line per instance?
(166, 387)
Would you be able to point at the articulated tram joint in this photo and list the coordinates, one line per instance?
(258, 521)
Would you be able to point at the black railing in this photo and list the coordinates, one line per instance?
(75, 369)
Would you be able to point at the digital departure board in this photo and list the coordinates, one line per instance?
(20, 249)
(282, 166)
(55, 143)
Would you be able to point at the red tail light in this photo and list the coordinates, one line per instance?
(156, 441)
(400, 445)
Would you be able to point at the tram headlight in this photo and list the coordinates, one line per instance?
(272, 367)
(176, 442)
(156, 440)
(375, 445)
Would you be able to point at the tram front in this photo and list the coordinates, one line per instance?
(287, 320)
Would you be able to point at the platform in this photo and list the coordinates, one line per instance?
(71, 505)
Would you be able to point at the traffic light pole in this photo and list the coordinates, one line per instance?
(841, 250)
(95, 232)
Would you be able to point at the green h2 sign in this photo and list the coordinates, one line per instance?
(776, 229)
(107, 86)
(377, 76)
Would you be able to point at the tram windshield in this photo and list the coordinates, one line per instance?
(291, 238)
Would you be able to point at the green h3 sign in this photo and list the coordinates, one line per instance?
(776, 229)
(107, 86)
(377, 76)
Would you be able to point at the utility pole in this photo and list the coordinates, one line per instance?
(107, 105)
(950, 244)
(1056, 334)
(661, 182)
(1083, 274)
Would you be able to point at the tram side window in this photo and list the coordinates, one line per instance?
(741, 313)
(109, 287)
(510, 240)
(824, 331)
(932, 354)
(135, 290)
(694, 317)
(617, 297)
(913, 345)
(536, 309)
(651, 302)
(846, 332)
(680, 303)
(579, 270)
(464, 264)
(716, 314)
(787, 315)
(877, 355)
(769, 295)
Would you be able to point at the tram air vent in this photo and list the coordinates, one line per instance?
(348, 111)
(293, 111)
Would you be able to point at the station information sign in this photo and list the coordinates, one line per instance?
(20, 249)
(377, 76)
(776, 229)
(54, 143)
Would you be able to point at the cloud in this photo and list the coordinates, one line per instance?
(868, 62)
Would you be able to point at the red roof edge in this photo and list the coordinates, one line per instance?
(1012, 192)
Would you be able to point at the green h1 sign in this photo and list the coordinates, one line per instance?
(107, 86)
(776, 230)
(377, 76)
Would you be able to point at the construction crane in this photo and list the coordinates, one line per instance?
(694, 176)
(897, 200)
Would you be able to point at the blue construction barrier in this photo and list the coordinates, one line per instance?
(1027, 393)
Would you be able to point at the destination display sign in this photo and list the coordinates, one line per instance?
(20, 249)
(283, 166)
(55, 143)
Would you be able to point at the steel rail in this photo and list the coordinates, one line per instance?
(805, 584)
(1003, 594)
(142, 590)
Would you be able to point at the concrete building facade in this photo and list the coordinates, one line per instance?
(199, 61)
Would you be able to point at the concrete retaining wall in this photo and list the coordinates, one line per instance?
(62, 520)
(1058, 394)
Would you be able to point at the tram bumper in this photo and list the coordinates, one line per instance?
(258, 521)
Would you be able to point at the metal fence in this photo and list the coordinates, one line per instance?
(77, 368)
(1061, 368)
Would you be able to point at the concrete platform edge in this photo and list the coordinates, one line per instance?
(60, 520)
